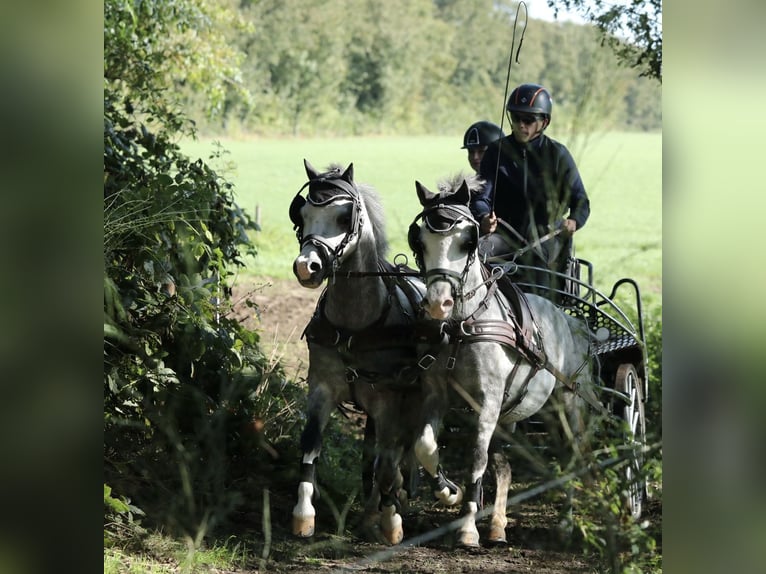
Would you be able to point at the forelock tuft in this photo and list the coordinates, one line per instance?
(452, 183)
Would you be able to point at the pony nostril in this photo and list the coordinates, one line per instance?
(315, 266)
(448, 304)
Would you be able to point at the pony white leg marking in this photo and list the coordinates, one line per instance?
(468, 534)
(391, 525)
(304, 513)
(427, 452)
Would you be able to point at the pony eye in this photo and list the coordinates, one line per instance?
(344, 217)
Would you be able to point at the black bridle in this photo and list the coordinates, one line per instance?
(325, 189)
(442, 218)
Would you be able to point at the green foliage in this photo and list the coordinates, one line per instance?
(601, 514)
(653, 335)
(153, 46)
(633, 30)
(416, 67)
(183, 380)
(623, 544)
(120, 521)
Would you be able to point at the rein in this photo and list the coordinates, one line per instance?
(516, 254)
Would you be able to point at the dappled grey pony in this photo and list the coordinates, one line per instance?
(361, 347)
(502, 353)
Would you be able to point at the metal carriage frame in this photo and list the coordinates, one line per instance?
(620, 351)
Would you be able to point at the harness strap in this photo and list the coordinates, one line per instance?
(374, 337)
(586, 393)
(524, 386)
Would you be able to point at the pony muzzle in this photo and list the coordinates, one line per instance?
(440, 295)
(312, 266)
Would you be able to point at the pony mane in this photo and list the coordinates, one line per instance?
(374, 208)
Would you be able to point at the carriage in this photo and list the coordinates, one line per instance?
(620, 351)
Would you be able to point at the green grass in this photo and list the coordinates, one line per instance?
(622, 174)
(161, 554)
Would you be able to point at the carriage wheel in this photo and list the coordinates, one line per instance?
(628, 382)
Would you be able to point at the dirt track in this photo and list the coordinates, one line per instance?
(284, 309)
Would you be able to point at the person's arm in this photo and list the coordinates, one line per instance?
(579, 204)
(481, 202)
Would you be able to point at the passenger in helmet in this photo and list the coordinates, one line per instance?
(476, 139)
(533, 187)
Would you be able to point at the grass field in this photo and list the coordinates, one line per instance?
(622, 174)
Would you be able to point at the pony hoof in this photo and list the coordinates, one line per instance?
(394, 537)
(449, 498)
(497, 540)
(391, 525)
(468, 542)
(303, 527)
(496, 536)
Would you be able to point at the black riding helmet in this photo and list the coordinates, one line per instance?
(481, 133)
(530, 99)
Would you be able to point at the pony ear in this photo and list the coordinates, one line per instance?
(463, 194)
(310, 171)
(423, 194)
(348, 175)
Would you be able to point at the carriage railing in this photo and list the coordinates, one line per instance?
(616, 334)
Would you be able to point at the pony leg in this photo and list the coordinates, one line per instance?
(368, 458)
(371, 513)
(427, 452)
(390, 480)
(304, 513)
(390, 519)
(502, 471)
(468, 534)
(410, 479)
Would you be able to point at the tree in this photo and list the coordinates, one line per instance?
(632, 29)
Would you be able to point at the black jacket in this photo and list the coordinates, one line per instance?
(540, 177)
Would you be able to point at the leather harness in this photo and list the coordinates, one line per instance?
(351, 344)
(519, 333)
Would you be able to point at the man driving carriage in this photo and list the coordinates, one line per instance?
(534, 198)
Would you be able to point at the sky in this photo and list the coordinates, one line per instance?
(539, 9)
